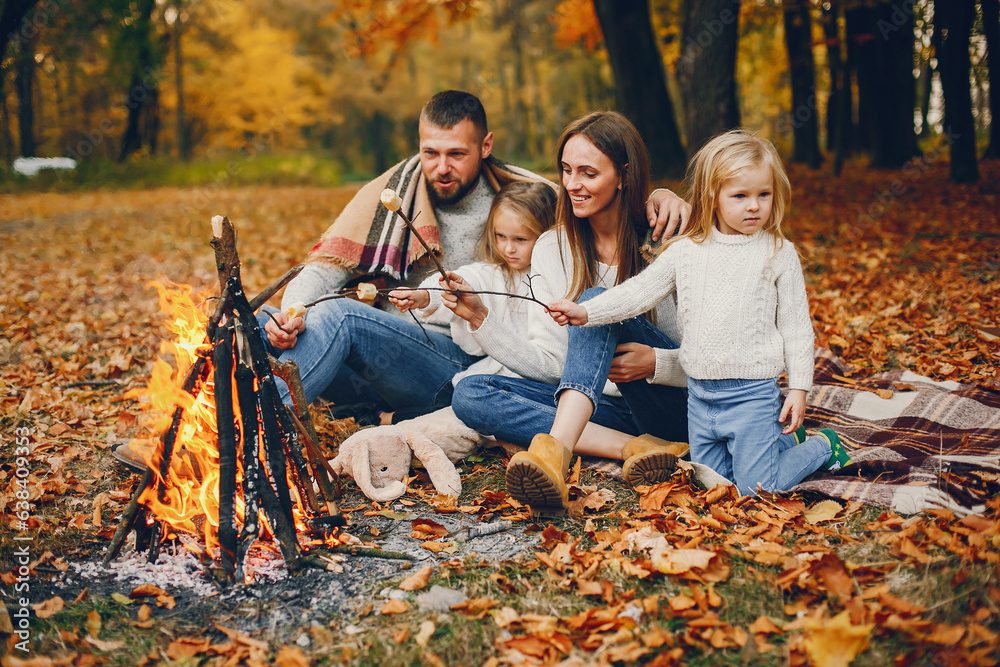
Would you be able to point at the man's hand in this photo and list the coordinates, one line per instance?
(665, 212)
(285, 336)
(793, 412)
(564, 312)
(462, 301)
(633, 361)
(409, 299)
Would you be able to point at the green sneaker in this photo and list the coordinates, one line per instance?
(839, 457)
(800, 435)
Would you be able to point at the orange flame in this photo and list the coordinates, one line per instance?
(190, 502)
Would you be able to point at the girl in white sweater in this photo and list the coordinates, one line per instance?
(743, 316)
(520, 213)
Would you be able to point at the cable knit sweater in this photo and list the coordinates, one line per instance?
(511, 314)
(741, 306)
(540, 352)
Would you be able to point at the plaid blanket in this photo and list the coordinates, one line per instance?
(368, 237)
(916, 444)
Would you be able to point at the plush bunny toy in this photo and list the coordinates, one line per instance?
(378, 458)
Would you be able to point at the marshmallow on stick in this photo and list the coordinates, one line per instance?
(392, 202)
(367, 292)
(297, 309)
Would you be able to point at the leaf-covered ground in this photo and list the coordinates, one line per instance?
(903, 270)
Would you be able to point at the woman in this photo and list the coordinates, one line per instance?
(601, 215)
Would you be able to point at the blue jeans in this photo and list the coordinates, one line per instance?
(734, 430)
(384, 351)
(515, 409)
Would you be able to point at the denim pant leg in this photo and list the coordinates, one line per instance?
(345, 388)
(391, 354)
(515, 409)
(706, 433)
(746, 415)
(656, 409)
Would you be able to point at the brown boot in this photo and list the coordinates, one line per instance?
(537, 477)
(650, 460)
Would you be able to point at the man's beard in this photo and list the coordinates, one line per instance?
(459, 194)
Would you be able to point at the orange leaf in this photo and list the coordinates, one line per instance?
(418, 579)
(146, 589)
(291, 656)
(49, 608)
(835, 642)
(394, 607)
(764, 625)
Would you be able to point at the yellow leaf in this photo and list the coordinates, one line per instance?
(822, 511)
(835, 642)
(121, 599)
(418, 579)
(94, 624)
(424, 634)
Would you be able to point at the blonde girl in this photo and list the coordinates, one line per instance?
(743, 315)
(520, 213)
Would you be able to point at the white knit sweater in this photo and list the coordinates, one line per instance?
(741, 306)
(507, 312)
(539, 353)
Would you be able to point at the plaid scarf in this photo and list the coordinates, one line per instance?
(369, 238)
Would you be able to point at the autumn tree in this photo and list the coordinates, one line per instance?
(706, 69)
(640, 81)
(954, 19)
(991, 30)
(802, 68)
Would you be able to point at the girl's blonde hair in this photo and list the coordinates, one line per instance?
(533, 204)
(721, 158)
(612, 134)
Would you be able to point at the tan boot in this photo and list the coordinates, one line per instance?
(650, 460)
(537, 477)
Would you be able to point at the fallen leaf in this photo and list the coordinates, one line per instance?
(418, 579)
(835, 642)
(291, 656)
(104, 645)
(505, 617)
(121, 599)
(424, 633)
(94, 623)
(394, 607)
(146, 589)
(49, 608)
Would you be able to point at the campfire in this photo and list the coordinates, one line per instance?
(232, 465)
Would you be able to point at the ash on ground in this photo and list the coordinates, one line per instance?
(276, 605)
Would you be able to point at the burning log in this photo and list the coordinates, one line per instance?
(262, 436)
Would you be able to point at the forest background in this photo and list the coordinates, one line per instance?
(321, 93)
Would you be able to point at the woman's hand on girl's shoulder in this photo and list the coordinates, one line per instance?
(564, 312)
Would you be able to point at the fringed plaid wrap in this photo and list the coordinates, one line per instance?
(369, 238)
(931, 445)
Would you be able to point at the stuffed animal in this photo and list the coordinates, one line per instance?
(378, 458)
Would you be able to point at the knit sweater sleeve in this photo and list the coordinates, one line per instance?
(793, 320)
(435, 312)
(540, 352)
(637, 294)
(315, 280)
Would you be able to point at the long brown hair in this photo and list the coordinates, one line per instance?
(612, 134)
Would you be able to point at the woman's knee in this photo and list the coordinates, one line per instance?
(470, 397)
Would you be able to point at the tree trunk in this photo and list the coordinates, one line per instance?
(518, 34)
(641, 81)
(183, 147)
(991, 28)
(8, 140)
(954, 19)
(142, 86)
(378, 129)
(802, 67)
(837, 67)
(885, 82)
(706, 70)
(24, 84)
(13, 25)
(858, 21)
